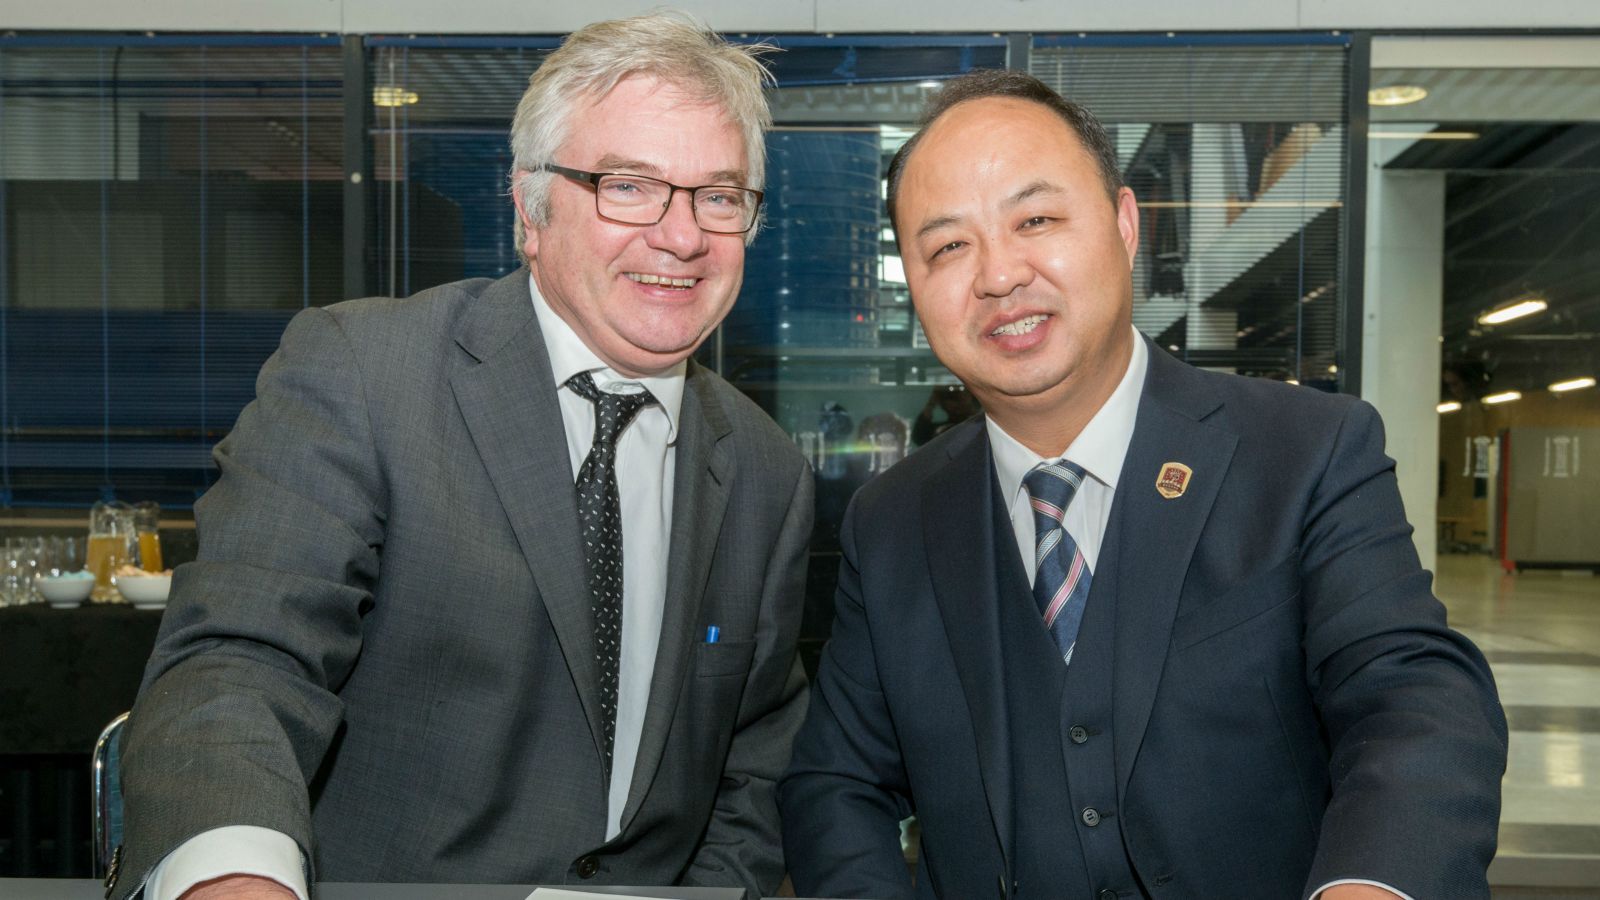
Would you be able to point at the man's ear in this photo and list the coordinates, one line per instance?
(530, 232)
(1128, 222)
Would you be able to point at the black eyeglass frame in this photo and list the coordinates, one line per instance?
(593, 180)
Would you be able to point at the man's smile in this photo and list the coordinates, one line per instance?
(1024, 325)
(661, 280)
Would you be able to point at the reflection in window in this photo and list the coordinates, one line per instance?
(167, 204)
(1236, 154)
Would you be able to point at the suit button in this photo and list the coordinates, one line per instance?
(1091, 816)
(588, 867)
(1107, 894)
(1078, 733)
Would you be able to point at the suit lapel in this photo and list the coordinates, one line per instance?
(964, 566)
(1155, 537)
(509, 403)
(703, 472)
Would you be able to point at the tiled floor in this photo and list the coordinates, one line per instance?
(1541, 633)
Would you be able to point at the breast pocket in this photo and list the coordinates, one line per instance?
(1202, 617)
(724, 658)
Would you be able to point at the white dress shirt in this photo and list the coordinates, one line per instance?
(1100, 450)
(645, 456)
(646, 452)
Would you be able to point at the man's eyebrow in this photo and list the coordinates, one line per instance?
(937, 223)
(609, 163)
(729, 177)
(1033, 189)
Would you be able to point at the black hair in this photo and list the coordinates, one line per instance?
(983, 83)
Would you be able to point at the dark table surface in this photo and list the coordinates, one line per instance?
(65, 673)
(86, 889)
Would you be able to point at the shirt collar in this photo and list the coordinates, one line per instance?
(1100, 448)
(569, 355)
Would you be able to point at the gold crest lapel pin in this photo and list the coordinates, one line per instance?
(1173, 480)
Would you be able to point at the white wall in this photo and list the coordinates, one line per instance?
(821, 16)
(1400, 334)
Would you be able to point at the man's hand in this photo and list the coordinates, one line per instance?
(244, 887)
(1357, 892)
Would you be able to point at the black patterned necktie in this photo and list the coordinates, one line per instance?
(600, 527)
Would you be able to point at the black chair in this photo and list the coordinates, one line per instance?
(106, 779)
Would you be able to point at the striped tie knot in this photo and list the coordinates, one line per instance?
(1051, 487)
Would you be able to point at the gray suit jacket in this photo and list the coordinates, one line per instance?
(385, 647)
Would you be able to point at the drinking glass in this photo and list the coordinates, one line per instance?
(147, 523)
(13, 581)
(35, 553)
(113, 542)
(66, 555)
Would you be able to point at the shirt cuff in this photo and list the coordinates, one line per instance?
(1377, 884)
(230, 850)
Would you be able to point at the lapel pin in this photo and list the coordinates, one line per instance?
(1174, 480)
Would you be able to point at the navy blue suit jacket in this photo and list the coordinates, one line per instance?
(1289, 707)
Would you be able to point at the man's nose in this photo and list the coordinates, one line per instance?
(678, 232)
(1002, 268)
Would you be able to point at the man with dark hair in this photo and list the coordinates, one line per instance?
(1139, 630)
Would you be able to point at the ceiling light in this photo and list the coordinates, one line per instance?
(390, 96)
(1449, 406)
(1574, 384)
(1427, 135)
(1515, 310)
(930, 85)
(1396, 95)
(1503, 397)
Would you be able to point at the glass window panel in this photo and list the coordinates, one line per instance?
(439, 127)
(166, 205)
(1237, 156)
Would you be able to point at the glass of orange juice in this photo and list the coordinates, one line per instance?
(147, 524)
(112, 543)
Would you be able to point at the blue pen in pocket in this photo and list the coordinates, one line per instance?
(712, 633)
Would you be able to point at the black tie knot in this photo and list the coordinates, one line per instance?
(612, 412)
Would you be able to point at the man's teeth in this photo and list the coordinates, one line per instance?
(1020, 326)
(662, 279)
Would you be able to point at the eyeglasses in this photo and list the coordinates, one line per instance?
(640, 200)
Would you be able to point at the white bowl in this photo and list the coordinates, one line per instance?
(145, 591)
(63, 592)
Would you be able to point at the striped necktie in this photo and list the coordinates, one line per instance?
(1061, 582)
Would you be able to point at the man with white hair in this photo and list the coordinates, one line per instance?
(496, 584)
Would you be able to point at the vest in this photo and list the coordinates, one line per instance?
(1066, 834)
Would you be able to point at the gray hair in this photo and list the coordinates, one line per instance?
(668, 45)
